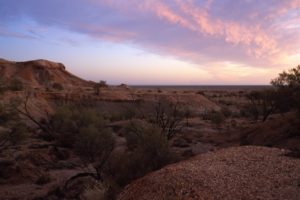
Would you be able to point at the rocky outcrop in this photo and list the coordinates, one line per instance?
(233, 173)
(40, 74)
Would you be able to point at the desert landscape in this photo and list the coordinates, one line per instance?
(149, 100)
(66, 138)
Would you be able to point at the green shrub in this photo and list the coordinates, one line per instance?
(12, 136)
(262, 103)
(250, 111)
(288, 88)
(168, 116)
(64, 126)
(84, 130)
(43, 179)
(19, 132)
(149, 150)
(12, 131)
(200, 92)
(216, 117)
(68, 121)
(296, 97)
(97, 87)
(226, 111)
(130, 113)
(94, 144)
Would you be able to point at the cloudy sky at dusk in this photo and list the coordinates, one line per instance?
(156, 41)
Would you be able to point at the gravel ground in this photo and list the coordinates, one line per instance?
(247, 172)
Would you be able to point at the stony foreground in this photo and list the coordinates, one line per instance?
(234, 173)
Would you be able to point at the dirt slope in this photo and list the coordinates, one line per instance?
(279, 131)
(233, 173)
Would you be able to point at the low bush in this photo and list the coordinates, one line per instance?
(262, 103)
(86, 131)
(200, 92)
(98, 86)
(130, 113)
(19, 132)
(7, 114)
(68, 121)
(13, 135)
(168, 116)
(216, 117)
(94, 144)
(149, 150)
(226, 111)
(97, 191)
(13, 130)
(43, 179)
(250, 111)
(226, 102)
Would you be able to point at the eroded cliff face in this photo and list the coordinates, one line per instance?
(247, 172)
(40, 74)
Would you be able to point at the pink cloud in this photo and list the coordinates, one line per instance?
(163, 11)
(251, 32)
(257, 42)
(108, 33)
(253, 39)
(283, 7)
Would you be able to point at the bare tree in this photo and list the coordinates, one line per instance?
(98, 86)
(262, 103)
(4, 140)
(16, 133)
(168, 117)
(21, 106)
(12, 129)
(94, 146)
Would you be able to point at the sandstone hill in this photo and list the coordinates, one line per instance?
(233, 173)
(53, 81)
(40, 74)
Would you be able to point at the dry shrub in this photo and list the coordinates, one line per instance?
(149, 150)
(97, 191)
(216, 117)
(94, 144)
(68, 121)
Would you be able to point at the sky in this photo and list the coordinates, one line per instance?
(156, 42)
